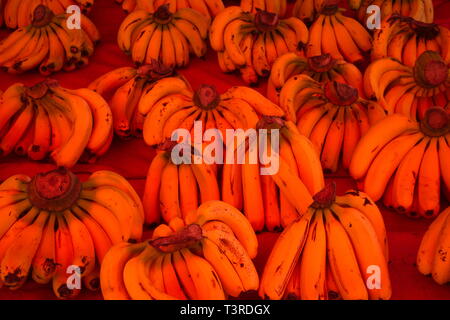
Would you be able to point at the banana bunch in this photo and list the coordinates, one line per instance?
(404, 162)
(344, 38)
(53, 221)
(209, 8)
(174, 190)
(251, 42)
(330, 251)
(49, 120)
(405, 39)
(273, 201)
(164, 36)
(171, 105)
(48, 44)
(307, 10)
(205, 256)
(409, 90)
(434, 249)
(332, 115)
(19, 13)
(125, 87)
(421, 10)
(320, 68)
(274, 6)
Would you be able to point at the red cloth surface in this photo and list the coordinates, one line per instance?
(132, 158)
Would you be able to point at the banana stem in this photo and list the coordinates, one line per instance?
(56, 190)
(340, 94)
(430, 70)
(269, 122)
(266, 21)
(326, 197)
(436, 122)
(163, 15)
(321, 63)
(207, 97)
(190, 235)
(156, 70)
(40, 89)
(42, 16)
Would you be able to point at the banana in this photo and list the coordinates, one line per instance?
(283, 258)
(342, 261)
(127, 27)
(444, 157)
(121, 205)
(131, 280)
(64, 255)
(313, 261)
(100, 239)
(314, 47)
(17, 130)
(429, 181)
(233, 35)
(345, 42)
(168, 48)
(219, 24)
(221, 211)
(335, 137)
(222, 235)
(404, 184)
(141, 43)
(260, 62)
(207, 182)
(193, 35)
(188, 189)
(171, 283)
(440, 270)
(152, 188)
(168, 194)
(386, 162)
(103, 216)
(362, 202)
(17, 260)
(375, 139)
(367, 250)
(43, 265)
(11, 213)
(309, 171)
(111, 272)
(11, 102)
(205, 278)
(279, 73)
(272, 216)
(360, 35)
(229, 278)
(429, 244)
(69, 153)
(112, 80)
(183, 273)
(181, 47)
(262, 105)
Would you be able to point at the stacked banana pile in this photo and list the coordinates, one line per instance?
(409, 90)
(164, 36)
(344, 38)
(53, 221)
(251, 42)
(320, 68)
(169, 107)
(19, 13)
(332, 116)
(421, 10)
(125, 87)
(271, 202)
(48, 44)
(48, 120)
(174, 190)
(328, 253)
(404, 162)
(405, 39)
(206, 256)
(209, 8)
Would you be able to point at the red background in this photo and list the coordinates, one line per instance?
(132, 158)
